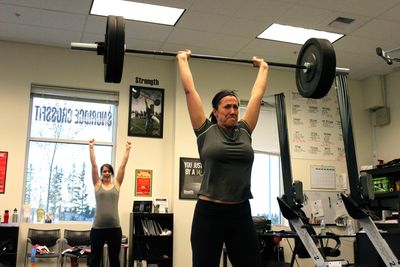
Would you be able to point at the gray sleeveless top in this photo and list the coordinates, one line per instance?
(106, 208)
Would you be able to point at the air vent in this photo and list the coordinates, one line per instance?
(341, 22)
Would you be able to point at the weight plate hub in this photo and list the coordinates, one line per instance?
(316, 81)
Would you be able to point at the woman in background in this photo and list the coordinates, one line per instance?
(106, 226)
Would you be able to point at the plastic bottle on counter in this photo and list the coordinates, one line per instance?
(350, 227)
(6, 216)
(323, 227)
(15, 216)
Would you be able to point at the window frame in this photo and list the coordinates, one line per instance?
(69, 94)
(268, 105)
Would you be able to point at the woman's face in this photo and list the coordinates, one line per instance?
(227, 112)
(106, 173)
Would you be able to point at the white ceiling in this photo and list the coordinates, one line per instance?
(219, 27)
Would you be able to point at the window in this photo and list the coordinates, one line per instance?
(266, 186)
(58, 171)
(266, 177)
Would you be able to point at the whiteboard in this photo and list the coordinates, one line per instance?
(328, 200)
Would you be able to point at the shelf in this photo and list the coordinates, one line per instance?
(385, 171)
(388, 195)
(153, 215)
(153, 248)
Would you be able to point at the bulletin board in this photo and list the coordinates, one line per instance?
(329, 200)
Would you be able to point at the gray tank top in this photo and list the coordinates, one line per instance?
(106, 208)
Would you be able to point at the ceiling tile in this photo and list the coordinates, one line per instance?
(263, 10)
(379, 30)
(201, 21)
(71, 6)
(37, 35)
(392, 13)
(221, 7)
(366, 7)
(205, 39)
(147, 31)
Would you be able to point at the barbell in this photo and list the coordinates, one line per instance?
(137, 92)
(315, 67)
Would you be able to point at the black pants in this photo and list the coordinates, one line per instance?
(215, 224)
(97, 239)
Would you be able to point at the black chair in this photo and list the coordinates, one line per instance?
(75, 245)
(49, 238)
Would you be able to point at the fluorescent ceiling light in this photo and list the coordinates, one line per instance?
(296, 35)
(137, 11)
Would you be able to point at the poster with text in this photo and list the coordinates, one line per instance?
(190, 177)
(143, 179)
(316, 128)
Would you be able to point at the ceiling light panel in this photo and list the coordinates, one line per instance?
(137, 11)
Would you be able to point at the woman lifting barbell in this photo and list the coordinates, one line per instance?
(222, 213)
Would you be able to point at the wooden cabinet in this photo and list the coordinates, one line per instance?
(151, 239)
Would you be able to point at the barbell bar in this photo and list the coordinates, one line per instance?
(97, 46)
(315, 66)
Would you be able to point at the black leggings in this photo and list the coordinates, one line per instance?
(215, 224)
(97, 239)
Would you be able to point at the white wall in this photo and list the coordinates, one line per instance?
(23, 64)
(387, 142)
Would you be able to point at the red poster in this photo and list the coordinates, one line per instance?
(3, 171)
(143, 183)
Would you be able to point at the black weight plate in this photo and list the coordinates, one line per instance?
(114, 50)
(318, 79)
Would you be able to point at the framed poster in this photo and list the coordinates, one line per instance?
(143, 180)
(146, 111)
(3, 171)
(190, 177)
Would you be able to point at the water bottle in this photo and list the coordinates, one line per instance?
(350, 228)
(15, 216)
(323, 227)
(5, 216)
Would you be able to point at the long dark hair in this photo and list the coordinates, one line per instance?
(217, 98)
(108, 167)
